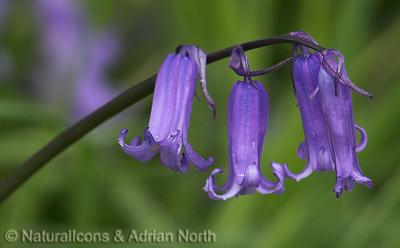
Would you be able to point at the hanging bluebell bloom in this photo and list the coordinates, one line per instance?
(323, 92)
(170, 113)
(247, 124)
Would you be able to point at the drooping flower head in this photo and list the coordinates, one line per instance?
(170, 113)
(335, 94)
(247, 125)
(327, 116)
(315, 148)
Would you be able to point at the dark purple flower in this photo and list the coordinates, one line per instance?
(170, 115)
(247, 125)
(327, 117)
(315, 148)
(335, 94)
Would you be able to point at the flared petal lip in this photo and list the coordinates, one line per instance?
(232, 191)
(141, 150)
(248, 185)
(199, 162)
(171, 153)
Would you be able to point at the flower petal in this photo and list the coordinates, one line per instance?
(337, 107)
(251, 176)
(171, 153)
(332, 62)
(348, 183)
(200, 58)
(141, 150)
(268, 187)
(246, 126)
(298, 176)
(315, 147)
(302, 151)
(200, 163)
(164, 98)
(232, 191)
(363, 140)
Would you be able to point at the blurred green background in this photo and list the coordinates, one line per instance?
(94, 186)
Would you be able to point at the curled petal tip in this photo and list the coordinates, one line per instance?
(367, 182)
(121, 137)
(297, 177)
(279, 171)
(363, 140)
(199, 162)
(209, 100)
(347, 184)
(200, 58)
(141, 150)
(209, 187)
(333, 64)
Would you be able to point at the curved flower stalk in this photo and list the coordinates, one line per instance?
(170, 115)
(321, 114)
(247, 125)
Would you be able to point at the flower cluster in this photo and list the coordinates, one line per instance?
(323, 92)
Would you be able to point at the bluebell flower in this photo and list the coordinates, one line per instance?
(170, 113)
(323, 92)
(247, 125)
